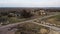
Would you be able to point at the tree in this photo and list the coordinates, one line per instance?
(4, 13)
(26, 14)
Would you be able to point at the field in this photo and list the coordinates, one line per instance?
(30, 28)
(54, 20)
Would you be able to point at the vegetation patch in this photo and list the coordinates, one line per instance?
(30, 28)
(14, 17)
(54, 19)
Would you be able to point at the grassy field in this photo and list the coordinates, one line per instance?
(9, 20)
(54, 19)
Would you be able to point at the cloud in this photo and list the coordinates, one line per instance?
(30, 3)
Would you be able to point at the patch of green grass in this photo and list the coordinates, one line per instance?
(12, 19)
(15, 20)
(57, 17)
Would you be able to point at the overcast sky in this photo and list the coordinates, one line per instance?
(29, 3)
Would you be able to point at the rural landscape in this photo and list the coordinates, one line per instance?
(30, 20)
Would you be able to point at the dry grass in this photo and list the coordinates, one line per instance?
(30, 28)
(54, 20)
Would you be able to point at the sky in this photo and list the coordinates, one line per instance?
(29, 3)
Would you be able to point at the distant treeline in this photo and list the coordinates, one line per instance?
(23, 13)
(29, 9)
